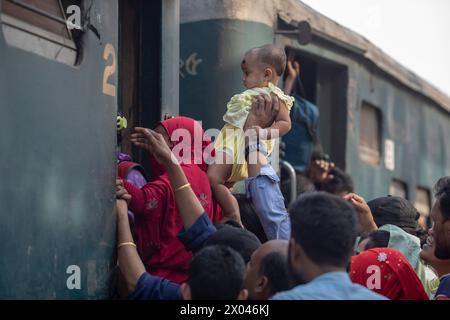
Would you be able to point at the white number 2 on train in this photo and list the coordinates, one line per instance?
(108, 88)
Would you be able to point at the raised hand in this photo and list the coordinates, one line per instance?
(263, 112)
(121, 192)
(365, 217)
(293, 69)
(154, 143)
(319, 171)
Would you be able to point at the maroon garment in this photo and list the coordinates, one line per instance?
(157, 221)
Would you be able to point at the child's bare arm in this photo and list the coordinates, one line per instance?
(282, 124)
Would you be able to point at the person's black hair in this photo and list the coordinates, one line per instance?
(442, 191)
(318, 154)
(341, 182)
(272, 55)
(378, 239)
(232, 223)
(249, 218)
(274, 266)
(395, 210)
(241, 240)
(216, 273)
(325, 227)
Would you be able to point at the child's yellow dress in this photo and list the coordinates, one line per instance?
(231, 139)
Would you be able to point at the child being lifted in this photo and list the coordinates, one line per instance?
(262, 68)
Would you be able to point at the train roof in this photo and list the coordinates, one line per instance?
(293, 11)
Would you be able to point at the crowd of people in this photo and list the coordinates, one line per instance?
(184, 235)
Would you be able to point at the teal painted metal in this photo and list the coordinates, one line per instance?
(418, 127)
(170, 55)
(57, 142)
(210, 72)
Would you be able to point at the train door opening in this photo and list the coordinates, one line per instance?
(140, 72)
(325, 84)
(129, 35)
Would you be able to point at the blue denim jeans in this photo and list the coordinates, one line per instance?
(264, 191)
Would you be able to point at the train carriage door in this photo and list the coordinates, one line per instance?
(129, 35)
(147, 88)
(324, 83)
(332, 103)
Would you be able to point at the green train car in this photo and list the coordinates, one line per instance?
(379, 121)
(61, 85)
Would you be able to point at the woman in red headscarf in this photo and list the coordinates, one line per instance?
(387, 272)
(157, 221)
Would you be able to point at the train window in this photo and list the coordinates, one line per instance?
(423, 205)
(398, 188)
(370, 134)
(40, 27)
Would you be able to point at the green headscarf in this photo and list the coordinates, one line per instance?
(409, 246)
(404, 242)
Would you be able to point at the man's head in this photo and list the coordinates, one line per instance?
(440, 215)
(395, 210)
(215, 273)
(267, 271)
(428, 255)
(241, 240)
(324, 230)
(262, 65)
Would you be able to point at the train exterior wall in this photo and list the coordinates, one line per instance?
(419, 128)
(210, 72)
(211, 51)
(58, 170)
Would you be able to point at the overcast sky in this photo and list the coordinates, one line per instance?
(414, 32)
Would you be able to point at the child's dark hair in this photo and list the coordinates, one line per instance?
(272, 55)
